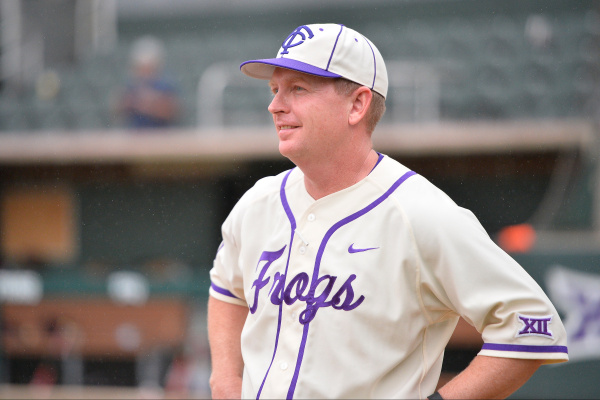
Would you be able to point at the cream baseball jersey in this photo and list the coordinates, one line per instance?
(356, 295)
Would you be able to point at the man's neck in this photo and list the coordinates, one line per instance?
(331, 176)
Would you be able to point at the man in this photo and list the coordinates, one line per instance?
(345, 277)
(150, 100)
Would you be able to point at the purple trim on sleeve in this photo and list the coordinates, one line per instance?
(222, 291)
(320, 252)
(334, 46)
(524, 348)
(290, 215)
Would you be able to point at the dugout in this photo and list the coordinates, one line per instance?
(156, 210)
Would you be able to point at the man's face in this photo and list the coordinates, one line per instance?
(311, 118)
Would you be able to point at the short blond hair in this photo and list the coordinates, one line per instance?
(376, 110)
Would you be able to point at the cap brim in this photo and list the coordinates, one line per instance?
(263, 69)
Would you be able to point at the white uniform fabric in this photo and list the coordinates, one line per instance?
(356, 295)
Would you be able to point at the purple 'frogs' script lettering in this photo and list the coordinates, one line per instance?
(300, 288)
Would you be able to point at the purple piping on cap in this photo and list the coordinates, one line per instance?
(290, 215)
(524, 348)
(334, 46)
(374, 63)
(320, 252)
(293, 65)
(223, 291)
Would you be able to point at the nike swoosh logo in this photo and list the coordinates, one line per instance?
(351, 249)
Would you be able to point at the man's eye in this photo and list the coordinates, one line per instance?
(298, 88)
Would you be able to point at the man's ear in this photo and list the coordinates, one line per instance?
(361, 100)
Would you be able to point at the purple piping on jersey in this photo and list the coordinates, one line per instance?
(377, 163)
(320, 252)
(524, 348)
(290, 215)
(222, 291)
(334, 46)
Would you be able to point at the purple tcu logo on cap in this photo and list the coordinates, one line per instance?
(535, 326)
(290, 41)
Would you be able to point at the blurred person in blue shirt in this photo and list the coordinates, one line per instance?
(150, 100)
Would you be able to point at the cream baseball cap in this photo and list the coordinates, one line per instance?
(329, 50)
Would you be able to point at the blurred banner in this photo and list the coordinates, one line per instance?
(577, 295)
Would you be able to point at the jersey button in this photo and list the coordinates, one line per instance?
(302, 250)
(311, 217)
(283, 366)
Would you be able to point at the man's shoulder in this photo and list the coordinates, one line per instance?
(413, 188)
(420, 199)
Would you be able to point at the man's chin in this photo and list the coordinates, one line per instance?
(287, 150)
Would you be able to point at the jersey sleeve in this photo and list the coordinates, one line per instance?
(226, 275)
(464, 272)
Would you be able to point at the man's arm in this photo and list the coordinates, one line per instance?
(490, 378)
(225, 323)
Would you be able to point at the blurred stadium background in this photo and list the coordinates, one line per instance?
(107, 233)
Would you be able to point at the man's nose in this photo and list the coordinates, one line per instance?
(278, 104)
